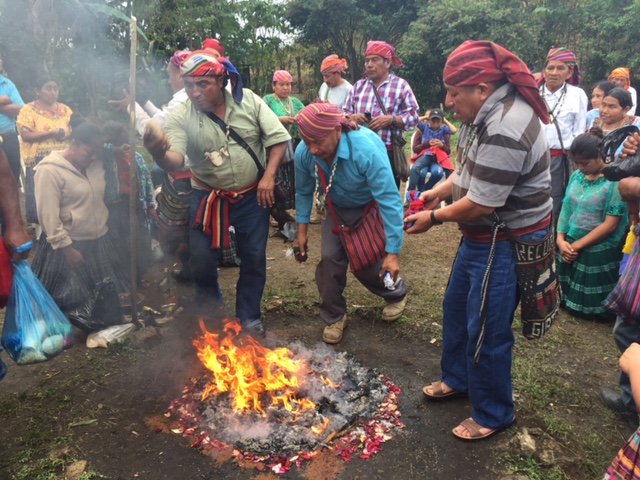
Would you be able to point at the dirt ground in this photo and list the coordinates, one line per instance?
(99, 405)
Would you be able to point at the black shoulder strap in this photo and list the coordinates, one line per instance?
(382, 107)
(233, 134)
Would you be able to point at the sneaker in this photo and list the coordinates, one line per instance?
(254, 328)
(333, 333)
(393, 311)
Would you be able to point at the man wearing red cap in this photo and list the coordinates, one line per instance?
(214, 47)
(334, 89)
(567, 104)
(502, 168)
(226, 135)
(348, 170)
(399, 111)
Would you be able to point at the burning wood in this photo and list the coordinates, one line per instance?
(281, 406)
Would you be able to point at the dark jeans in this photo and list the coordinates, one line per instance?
(251, 224)
(489, 382)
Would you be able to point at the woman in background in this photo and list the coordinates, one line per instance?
(286, 108)
(43, 126)
(75, 253)
(597, 94)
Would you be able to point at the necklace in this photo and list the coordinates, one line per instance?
(321, 198)
(552, 112)
(287, 105)
(471, 137)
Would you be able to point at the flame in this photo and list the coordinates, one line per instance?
(327, 381)
(251, 372)
(322, 428)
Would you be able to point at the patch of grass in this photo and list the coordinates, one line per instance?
(43, 469)
(532, 469)
(125, 348)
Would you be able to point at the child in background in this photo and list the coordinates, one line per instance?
(432, 151)
(592, 222)
(117, 158)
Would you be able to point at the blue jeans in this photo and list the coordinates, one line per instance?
(489, 382)
(429, 163)
(251, 223)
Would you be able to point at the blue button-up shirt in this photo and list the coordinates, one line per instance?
(363, 173)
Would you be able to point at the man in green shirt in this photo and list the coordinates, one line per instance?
(226, 136)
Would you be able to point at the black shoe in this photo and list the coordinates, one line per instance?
(614, 402)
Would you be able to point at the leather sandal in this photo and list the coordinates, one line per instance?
(474, 430)
(437, 393)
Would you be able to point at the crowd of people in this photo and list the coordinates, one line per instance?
(528, 169)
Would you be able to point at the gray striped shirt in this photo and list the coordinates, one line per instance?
(507, 165)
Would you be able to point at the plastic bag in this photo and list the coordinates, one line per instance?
(618, 168)
(100, 310)
(35, 329)
(105, 337)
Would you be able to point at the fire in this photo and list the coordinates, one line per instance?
(252, 373)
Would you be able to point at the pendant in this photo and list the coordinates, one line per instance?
(214, 157)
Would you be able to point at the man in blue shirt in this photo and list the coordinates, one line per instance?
(357, 175)
(10, 105)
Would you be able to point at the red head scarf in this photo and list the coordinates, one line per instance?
(214, 45)
(202, 64)
(476, 62)
(566, 56)
(622, 72)
(282, 76)
(332, 64)
(318, 120)
(384, 50)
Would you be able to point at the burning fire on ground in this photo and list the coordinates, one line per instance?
(283, 405)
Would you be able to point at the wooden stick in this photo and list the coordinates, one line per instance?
(133, 177)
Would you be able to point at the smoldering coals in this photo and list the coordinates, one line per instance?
(356, 393)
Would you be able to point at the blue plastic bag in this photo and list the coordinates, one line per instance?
(35, 329)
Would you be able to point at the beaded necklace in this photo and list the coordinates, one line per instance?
(287, 105)
(321, 198)
(553, 114)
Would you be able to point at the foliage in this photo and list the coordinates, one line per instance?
(345, 26)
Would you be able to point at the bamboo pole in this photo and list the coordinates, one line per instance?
(133, 197)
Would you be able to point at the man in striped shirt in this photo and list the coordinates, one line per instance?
(400, 109)
(502, 167)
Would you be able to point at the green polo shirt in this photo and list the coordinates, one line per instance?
(193, 134)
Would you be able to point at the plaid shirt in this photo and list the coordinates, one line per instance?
(398, 99)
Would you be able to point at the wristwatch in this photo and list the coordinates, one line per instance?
(434, 221)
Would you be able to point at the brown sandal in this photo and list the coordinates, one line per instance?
(437, 393)
(474, 430)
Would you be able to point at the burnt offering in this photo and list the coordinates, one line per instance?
(283, 405)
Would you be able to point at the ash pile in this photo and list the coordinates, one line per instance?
(342, 390)
(275, 402)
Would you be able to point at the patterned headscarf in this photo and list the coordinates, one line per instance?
(202, 64)
(622, 72)
(476, 62)
(178, 57)
(282, 76)
(384, 50)
(318, 120)
(332, 64)
(214, 45)
(566, 56)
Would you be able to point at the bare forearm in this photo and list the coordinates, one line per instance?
(33, 137)
(444, 191)
(170, 161)
(276, 154)
(9, 199)
(10, 110)
(598, 234)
